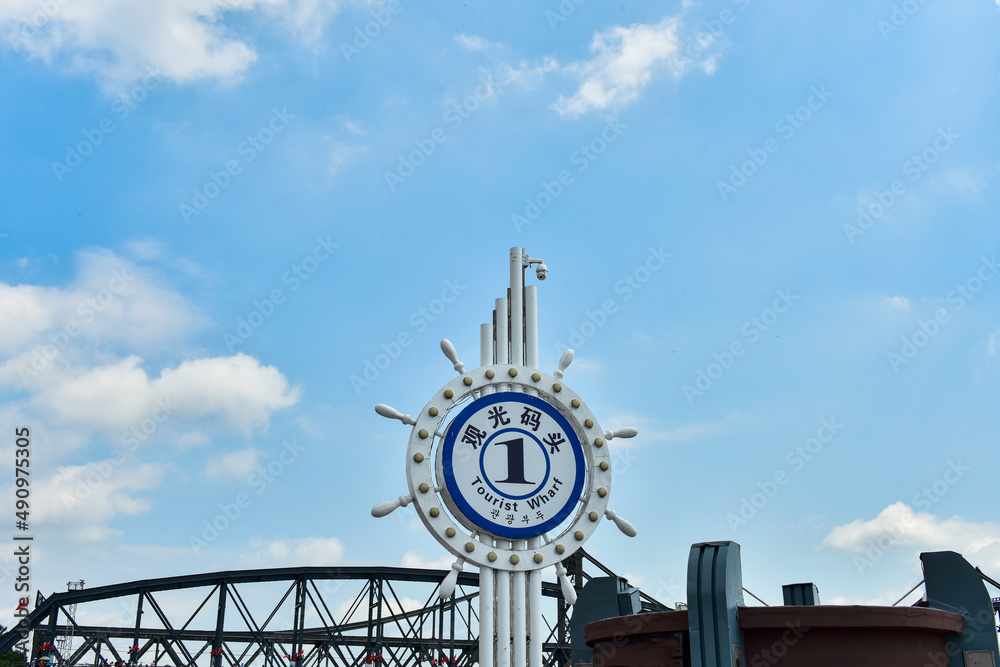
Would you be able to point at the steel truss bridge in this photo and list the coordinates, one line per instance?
(286, 617)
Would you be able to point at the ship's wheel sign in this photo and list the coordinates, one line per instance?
(512, 466)
(510, 471)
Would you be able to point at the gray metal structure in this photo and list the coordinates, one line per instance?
(235, 624)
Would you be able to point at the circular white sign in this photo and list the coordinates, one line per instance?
(512, 465)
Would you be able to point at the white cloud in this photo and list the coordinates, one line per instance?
(636, 580)
(234, 465)
(342, 155)
(351, 126)
(649, 431)
(69, 367)
(145, 250)
(120, 41)
(527, 76)
(625, 61)
(239, 388)
(993, 342)
(309, 551)
(417, 560)
(193, 439)
(585, 365)
(476, 43)
(83, 499)
(110, 300)
(118, 395)
(63, 348)
(896, 302)
(350, 612)
(899, 525)
(967, 183)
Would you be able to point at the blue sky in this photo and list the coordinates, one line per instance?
(771, 230)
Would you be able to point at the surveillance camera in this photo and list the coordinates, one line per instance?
(542, 271)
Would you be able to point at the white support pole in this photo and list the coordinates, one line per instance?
(519, 616)
(503, 616)
(536, 633)
(510, 604)
(503, 654)
(531, 326)
(502, 352)
(487, 575)
(518, 611)
(486, 348)
(487, 629)
(516, 307)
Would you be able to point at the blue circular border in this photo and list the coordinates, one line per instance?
(482, 469)
(502, 530)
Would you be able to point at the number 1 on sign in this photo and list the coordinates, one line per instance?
(515, 462)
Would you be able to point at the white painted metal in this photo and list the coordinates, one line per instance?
(487, 575)
(569, 593)
(447, 587)
(503, 616)
(487, 629)
(519, 616)
(390, 412)
(486, 342)
(622, 524)
(390, 506)
(503, 653)
(511, 625)
(449, 351)
(419, 473)
(531, 326)
(516, 307)
(536, 631)
(564, 361)
(502, 323)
